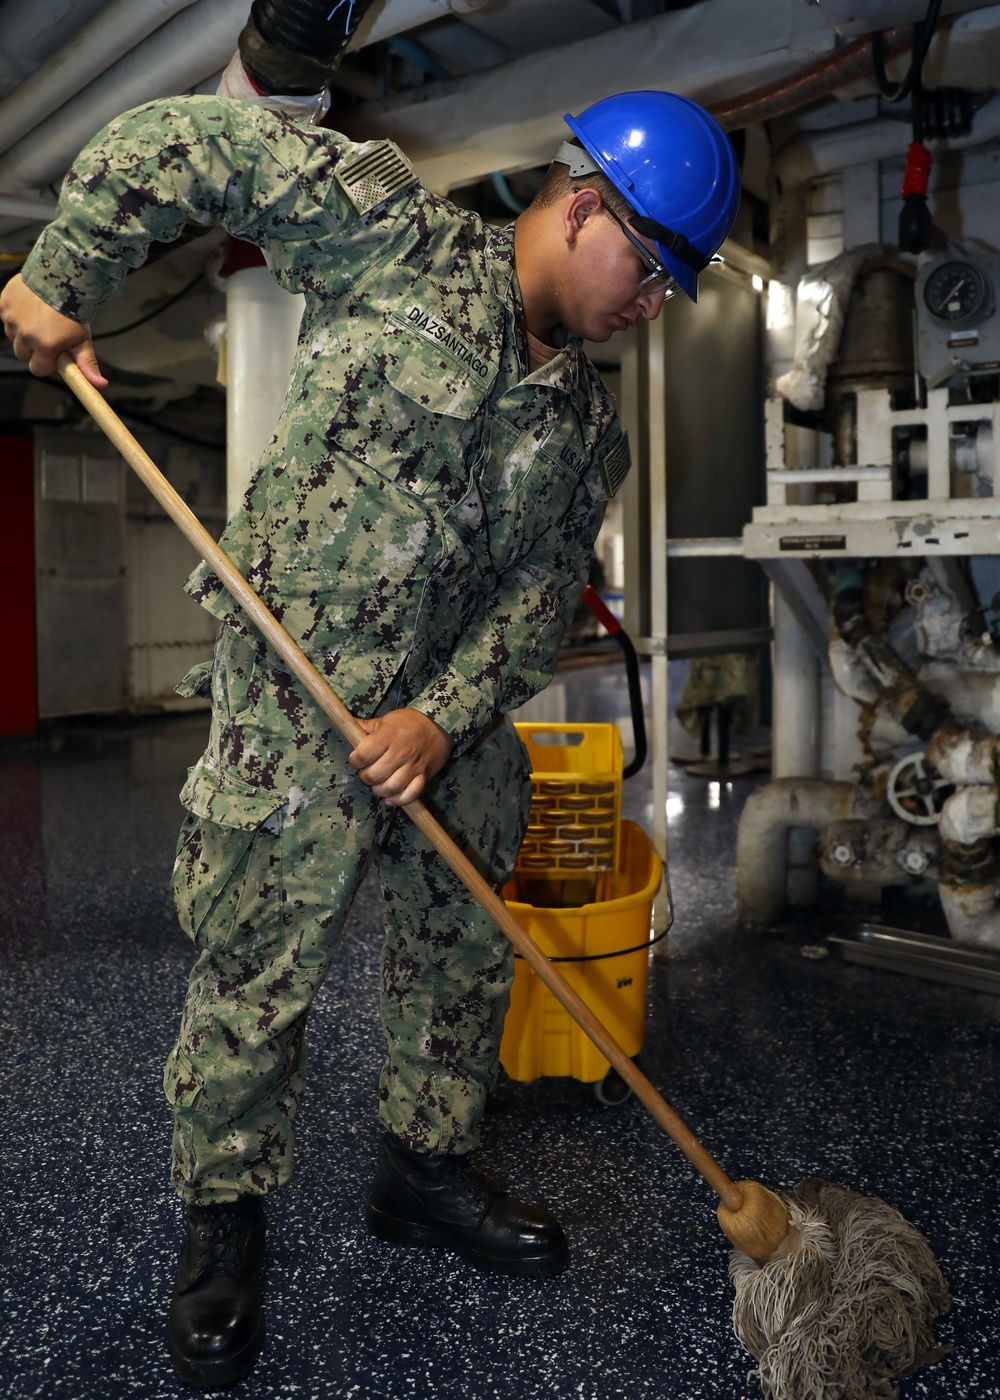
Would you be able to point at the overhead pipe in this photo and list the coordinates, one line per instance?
(195, 43)
(26, 34)
(812, 154)
(31, 207)
(844, 65)
(112, 34)
(420, 55)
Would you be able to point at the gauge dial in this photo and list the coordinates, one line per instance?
(959, 293)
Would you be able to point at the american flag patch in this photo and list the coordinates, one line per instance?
(374, 177)
(614, 465)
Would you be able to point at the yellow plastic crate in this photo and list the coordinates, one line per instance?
(603, 952)
(576, 797)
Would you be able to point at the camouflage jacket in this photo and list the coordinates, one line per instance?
(426, 505)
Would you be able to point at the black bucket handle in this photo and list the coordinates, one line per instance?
(610, 623)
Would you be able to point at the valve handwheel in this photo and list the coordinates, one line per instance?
(916, 791)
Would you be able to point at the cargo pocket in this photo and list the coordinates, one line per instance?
(227, 886)
(227, 873)
(198, 681)
(181, 1081)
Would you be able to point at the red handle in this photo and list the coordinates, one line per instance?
(601, 611)
(918, 169)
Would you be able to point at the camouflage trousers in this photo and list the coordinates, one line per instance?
(265, 898)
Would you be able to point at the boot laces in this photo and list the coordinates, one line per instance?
(221, 1242)
(473, 1183)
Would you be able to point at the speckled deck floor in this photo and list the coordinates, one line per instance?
(785, 1067)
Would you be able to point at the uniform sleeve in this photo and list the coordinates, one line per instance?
(214, 161)
(513, 650)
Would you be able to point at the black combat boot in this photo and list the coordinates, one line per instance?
(216, 1318)
(434, 1198)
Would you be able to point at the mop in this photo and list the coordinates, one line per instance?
(836, 1294)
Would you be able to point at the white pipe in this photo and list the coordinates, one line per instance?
(796, 730)
(177, 57)
(26, 32)
(262, 325)
(117, 30)
(396, 16)
(762, 840)
(822, 152)
(13, 206)
(196, 42)
(973, 696)
(969, 815)
(963, 757)
(796, 695)
(971, 912)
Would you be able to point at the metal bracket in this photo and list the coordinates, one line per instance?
(795, 583)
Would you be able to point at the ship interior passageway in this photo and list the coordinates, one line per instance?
(427, 312)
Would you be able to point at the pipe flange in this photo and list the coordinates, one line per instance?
(916, 791)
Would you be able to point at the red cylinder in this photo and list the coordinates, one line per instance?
(918, 168)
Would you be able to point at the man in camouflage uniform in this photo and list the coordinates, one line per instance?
(422, 523)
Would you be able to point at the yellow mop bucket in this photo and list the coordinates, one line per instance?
(583, 887)
(603, 952)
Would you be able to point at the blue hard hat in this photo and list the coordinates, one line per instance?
(675, 166)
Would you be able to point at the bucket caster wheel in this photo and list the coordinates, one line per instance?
(612, 1089)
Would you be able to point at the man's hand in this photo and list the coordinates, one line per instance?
(40, 334)
(403, 751)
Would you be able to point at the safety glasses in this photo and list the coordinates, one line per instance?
(658, 279)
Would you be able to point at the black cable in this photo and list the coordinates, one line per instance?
(150, 315)
(922, 35)
(177, 433)
(125, 412)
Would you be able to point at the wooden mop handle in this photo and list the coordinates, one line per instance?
(731, 1193)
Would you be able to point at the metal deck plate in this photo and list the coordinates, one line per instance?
(921, 955)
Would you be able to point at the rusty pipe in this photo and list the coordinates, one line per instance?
(845, 65)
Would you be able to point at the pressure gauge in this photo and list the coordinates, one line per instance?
(959, 293)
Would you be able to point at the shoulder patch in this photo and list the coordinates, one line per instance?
(373, 177)
(614, 465)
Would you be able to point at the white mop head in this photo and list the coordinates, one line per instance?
(849, 1309)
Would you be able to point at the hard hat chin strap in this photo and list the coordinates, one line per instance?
(674, 242)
